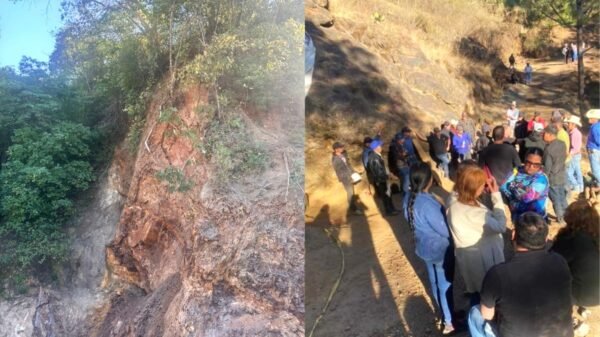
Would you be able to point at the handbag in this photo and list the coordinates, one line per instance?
(355, 178)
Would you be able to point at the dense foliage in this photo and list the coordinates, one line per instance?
(45, 156)
(43, 172)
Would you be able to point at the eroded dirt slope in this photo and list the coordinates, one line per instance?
(221, 260)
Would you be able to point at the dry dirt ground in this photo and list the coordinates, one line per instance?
(384, 288)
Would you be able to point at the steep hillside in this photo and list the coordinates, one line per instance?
(394, 63)
(400, 62)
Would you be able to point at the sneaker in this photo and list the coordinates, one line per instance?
(448, 329)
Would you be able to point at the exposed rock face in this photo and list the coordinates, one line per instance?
(224, 261)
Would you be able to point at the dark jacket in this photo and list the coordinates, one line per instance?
(581, 252)
(521, 129)
(534, 140)
(376, 169)
(397, 157)
(555, 155)
(342, 168)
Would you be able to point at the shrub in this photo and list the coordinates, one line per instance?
(43, 172)
(537, 42)
(175, 178)
(231, 149)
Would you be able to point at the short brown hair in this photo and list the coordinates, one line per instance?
(582, 216)
(468, 182)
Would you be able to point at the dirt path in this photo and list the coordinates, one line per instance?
(384, 289)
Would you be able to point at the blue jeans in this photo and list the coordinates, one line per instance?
(574, 175)
(558, 196)
(444, 161)
(528, 77)
(405, 173)
(595, 164)
(478, 327)
(441, 287)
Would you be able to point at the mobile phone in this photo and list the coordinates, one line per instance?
(487, 171)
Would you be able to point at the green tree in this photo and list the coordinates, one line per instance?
(42, 175)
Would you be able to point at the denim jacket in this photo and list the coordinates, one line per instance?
(432, 237)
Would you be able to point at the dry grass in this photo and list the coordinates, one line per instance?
(440, 24)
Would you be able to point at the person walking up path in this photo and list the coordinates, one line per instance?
(528, 70)
(554, 166)
(574, 175)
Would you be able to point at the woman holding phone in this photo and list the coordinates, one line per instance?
(476, 230)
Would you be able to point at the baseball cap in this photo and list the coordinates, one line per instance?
(375, 143)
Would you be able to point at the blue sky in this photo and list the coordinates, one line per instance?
(27, 28)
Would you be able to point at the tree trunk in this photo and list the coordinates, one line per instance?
(580, 71)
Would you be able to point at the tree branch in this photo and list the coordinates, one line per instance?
(559, 17)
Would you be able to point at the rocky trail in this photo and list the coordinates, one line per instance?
(384, 288)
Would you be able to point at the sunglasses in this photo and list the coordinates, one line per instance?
(532, 164)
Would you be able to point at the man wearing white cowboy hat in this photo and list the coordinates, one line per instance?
(593, 143)
(574, 175)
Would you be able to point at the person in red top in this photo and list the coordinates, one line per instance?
(536, 119)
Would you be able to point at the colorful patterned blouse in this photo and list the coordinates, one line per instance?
(526, 193)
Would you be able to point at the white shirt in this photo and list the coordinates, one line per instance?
(513, 116)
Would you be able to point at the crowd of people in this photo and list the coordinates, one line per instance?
(521, 164)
